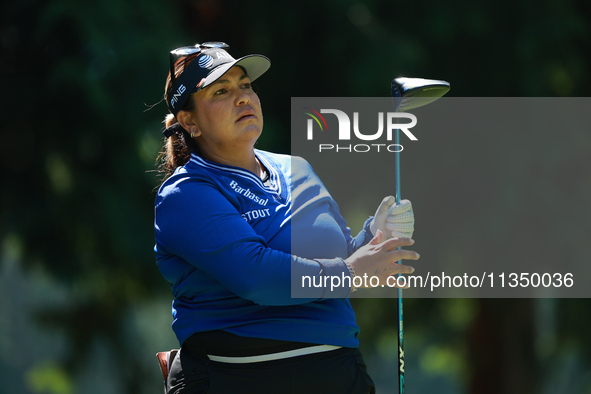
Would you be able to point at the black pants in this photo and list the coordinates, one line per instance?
(340, 371)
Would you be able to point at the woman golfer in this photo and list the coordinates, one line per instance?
(225, 216)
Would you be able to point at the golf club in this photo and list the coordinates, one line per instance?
(409, 93)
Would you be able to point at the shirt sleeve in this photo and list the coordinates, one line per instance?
(353, 242)
(195, 221)
(362, 238)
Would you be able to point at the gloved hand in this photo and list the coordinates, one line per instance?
(395, 220)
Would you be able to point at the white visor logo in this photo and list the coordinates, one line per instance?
(205, 61)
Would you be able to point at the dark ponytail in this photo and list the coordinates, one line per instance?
(176, 149)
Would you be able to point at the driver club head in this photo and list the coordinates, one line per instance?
(409, 93)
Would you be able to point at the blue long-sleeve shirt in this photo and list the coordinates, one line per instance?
(230, 246)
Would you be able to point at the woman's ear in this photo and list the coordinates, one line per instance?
(189, 123)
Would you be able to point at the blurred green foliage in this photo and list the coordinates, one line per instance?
(80, 131)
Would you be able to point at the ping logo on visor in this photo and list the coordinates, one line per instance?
(175, 96)
(194, 75)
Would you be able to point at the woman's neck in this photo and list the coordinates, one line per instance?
(246, 160)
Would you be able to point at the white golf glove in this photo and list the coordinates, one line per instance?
(395, 220)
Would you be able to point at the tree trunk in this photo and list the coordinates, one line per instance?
(501, 348)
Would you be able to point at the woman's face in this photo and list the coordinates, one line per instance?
(228, 114)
